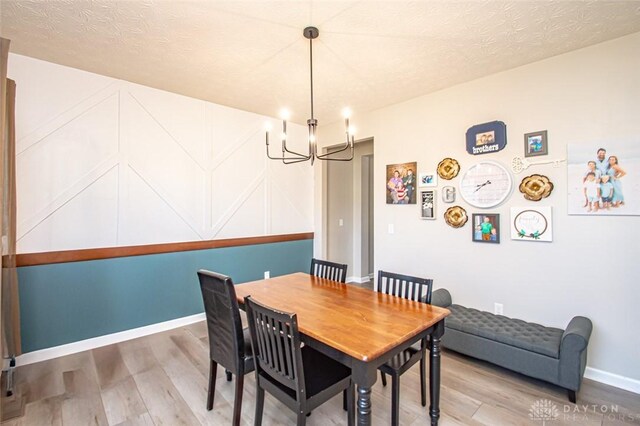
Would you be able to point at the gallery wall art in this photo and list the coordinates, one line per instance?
(603, 179)
(402, 183)
(531, 223)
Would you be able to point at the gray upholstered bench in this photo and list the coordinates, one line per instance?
(550, 354)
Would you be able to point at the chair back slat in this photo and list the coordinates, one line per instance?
(412, 288)
(276, 345)
(329, 270)
(224, 327)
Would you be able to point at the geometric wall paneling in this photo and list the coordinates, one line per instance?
(181, 117)
(52, 170)
(27, 138)
(48, 92)
(235, 176)
(291, 197)
(246, 218)
(286, 216)
(147, 218)
(91, 212)
(160, 167)
(162, 162)
(230, 127)
(224, 209)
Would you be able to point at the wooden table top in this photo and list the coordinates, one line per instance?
(362, 323)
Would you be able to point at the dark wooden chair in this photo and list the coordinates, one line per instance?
(229, 344)
(329, 270)
(412, 288)
(334, 272)
(298, 376)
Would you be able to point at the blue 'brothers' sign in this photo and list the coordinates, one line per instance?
(486, 138)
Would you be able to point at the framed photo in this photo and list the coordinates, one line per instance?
(401, 183)
(531, 224)
(602, 179)
(428, 204)
(486, 138)
(427, 179)
(536, 144)
(486, 228)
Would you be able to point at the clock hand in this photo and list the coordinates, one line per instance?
(482, 185)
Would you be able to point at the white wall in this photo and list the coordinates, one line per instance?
(103, 162)
(587, 97)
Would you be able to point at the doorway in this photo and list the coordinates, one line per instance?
(349, 212)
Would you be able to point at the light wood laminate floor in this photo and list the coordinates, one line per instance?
(162, 380)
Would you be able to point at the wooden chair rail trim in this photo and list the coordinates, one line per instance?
(46, 258)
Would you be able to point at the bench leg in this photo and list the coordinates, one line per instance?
(572, 395)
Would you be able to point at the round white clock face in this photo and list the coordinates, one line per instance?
(486, 184)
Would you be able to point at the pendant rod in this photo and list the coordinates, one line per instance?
(311, 73)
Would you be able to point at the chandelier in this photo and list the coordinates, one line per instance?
(288, 156)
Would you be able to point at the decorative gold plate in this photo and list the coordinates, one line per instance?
(456, 216)
(448, 168)
(536, 187)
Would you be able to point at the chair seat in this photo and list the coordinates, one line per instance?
(402, 361)
(320, 372)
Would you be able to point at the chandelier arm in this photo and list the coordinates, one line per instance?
(336, 159)
(348, 144)
(296, 153)
(327, 156)
(283, 158)
(302, 160)
(335, 151)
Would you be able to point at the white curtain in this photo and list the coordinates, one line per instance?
(9, 302)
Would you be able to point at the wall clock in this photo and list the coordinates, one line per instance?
(486, 184)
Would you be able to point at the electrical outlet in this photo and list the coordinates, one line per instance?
(267, 275)
(498, 309)
(391, 228)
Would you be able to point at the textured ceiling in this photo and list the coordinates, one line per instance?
(252, 55)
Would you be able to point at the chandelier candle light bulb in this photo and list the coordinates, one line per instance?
(289, 156)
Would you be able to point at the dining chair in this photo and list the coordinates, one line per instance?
(335, 272)
(419, 290)
(229, 344)
(329, 270)
(297, 375)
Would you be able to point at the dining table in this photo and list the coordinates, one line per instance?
(356, 326)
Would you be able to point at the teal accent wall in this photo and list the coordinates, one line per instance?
(67, 302)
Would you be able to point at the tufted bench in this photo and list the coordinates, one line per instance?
(551, 354)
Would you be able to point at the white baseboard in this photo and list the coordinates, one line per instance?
(615, 380)
(359, 280)
(109, 339)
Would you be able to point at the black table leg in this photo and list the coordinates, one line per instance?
(434, 373)
(364, 406)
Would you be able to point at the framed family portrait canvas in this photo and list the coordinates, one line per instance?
(536, 144)
(603, 179)
(486, 228)
(531, 224)
(401, 183)
(427, 179)
(428, 204)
